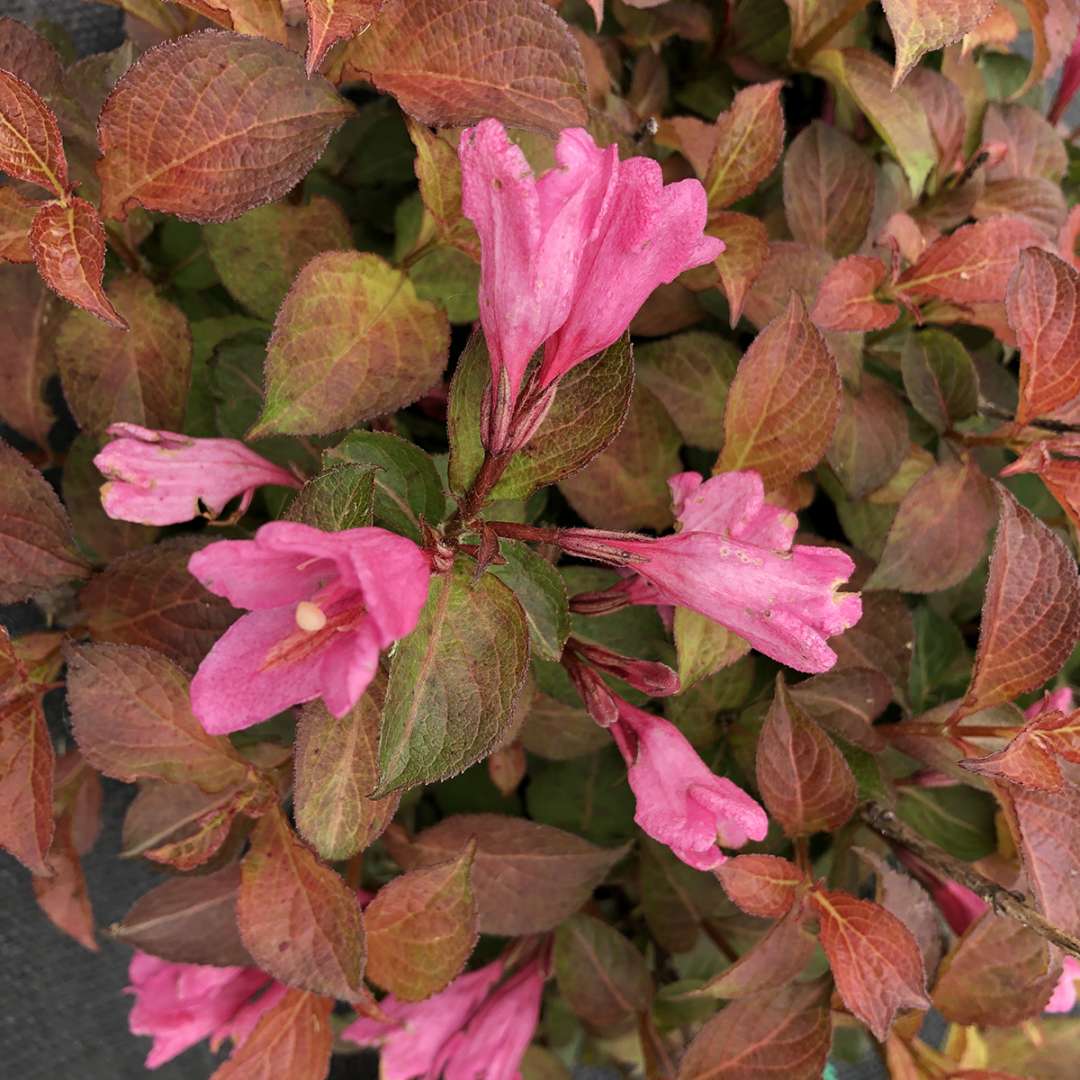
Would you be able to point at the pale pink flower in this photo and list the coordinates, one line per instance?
(1059, 700)
(680, 801)
(161, 478)
(472, 1029)
(733, 561)
(1063, 999)
(179, 1005)
(568, 259)
(322, 606)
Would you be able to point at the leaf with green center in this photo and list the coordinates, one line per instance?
(453, 62)
(335, 770)
(541, 592)
(132, 720)
(601, 975)
(352, 341)
(421, 928)
(140, 375)
(298, 919)
(259, 254)
(341, 497)
(37, 548)
(454, 681)
(703, 646)
(439, 172)
(211, 124)
(871, 437)
(939, 378)
(589, 409)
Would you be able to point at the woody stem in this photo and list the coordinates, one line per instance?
(473, 500)
(1003, 901)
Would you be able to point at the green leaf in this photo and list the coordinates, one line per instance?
(206, 336)
(704, 647)
(407, 484)
(938, 644)
(586, 795)
(939, 377)
(342, 497)
(958, 819)
(454, 681)
(589, 409)
(449, 278)
(352, 341)
(542, 594)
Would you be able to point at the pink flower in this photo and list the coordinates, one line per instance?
(1070, 83)
(179, 1005)
(471, 1029)
(160, 477)
(959, 905)
(568, 259)
(1063, 999)
(680, 802)
(321, 608)
(1060, 700)
(733, 561)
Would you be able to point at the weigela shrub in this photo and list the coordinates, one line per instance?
(567, 514)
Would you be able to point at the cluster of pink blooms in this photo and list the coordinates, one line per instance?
(567, 260)
(480, 1025)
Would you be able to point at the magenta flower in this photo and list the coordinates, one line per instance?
(322, 606)
(1059, 700)
(179, 1005)
(1063, 999)
(568, 259)
(161, 478)
(471, 1029)
(680, 802)
(733, 561)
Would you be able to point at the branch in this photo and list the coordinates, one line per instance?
(1003, 901)
(1047, 424)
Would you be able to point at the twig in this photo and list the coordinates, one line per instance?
(1047, 424)
(1003, 901)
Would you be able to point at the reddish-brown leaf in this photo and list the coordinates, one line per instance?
(164, 812)
(139, 375)
(1046, 834)
(439, 172)
(601, 975)
(421, 928)
(881, 640)
(747, 142)
(149, 598)
(331, 21)
(784, 401)
(939, 378)
(37, 549)
(292, 1039)
(1031, 615)
(210, 125)
(1030, 758)
(132, 720)
(920, 26)
(828, 189)
(785, 1032)
(16, 215)
(778, 957)
(1055, 463)
(847, 298)
(940, 532)
(875, 961)
(68, 245)
(352, 341)
(259, 18)
(871, 437)
(846, 703)
(299, 919)
(1053, 29)
(762, 885)
(526, 877)
(27, 321)
(30, 144)
(746, 249)
(62, 895)
(803, 779)
(972, 264)
(26, 783)
(997, 974)
(190, 919)
(1032, 147)
(1043, 306)
(452, 62)
(335, 768)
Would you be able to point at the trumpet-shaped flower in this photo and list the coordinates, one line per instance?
(734, 562)
(568, 258)
(179, 1005)
(161, 478)
(680, 802)
(321, 607)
